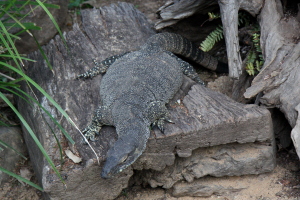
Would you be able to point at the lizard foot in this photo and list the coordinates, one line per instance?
(161, 122)
(99, 68)
(91, 131)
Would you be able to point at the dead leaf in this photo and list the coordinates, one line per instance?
(74, 158)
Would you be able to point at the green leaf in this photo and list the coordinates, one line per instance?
(43, 53)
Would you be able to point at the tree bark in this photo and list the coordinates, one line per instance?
(279, 79)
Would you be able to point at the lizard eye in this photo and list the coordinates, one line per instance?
(124, 159)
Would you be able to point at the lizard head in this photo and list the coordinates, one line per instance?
(122, 154)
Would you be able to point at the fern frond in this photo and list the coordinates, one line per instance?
(212, 38)
(258, 65)
(213, 16)
(243, 19)
(251, 57)
(250, 69)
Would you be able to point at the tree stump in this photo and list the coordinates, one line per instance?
(205, 121)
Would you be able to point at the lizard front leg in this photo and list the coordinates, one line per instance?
(101, 117)
(188, 69)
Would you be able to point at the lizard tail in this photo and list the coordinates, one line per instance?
(178, 44)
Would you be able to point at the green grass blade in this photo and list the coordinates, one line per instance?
(46, 111)
(43, 54)
(13, 56)
(42, 91)
(25, 26)
(21, 179)
(53, 21)
(7, 125)
(10, 147)
(18, 22)
(29, 2)
(49, 115)
(12, 36)
(22, 7)
(8, 5)
(8, 84)
(17, 80)
(8, 47)
(36, 140)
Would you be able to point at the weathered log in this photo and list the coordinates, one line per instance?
(104, 32)
(173, 11)
(203, 118)
(218, 161)
(279, 78)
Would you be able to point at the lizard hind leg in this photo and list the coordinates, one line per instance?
(100, 67)
(188, 69)
(158, 114)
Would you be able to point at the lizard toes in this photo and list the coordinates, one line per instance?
(90, 135)
(160, 125)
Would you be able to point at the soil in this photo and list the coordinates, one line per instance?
(282, 183)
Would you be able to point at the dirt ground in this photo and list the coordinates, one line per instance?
(282, 183)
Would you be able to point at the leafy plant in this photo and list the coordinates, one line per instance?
(254, 59)
(213, 16)
(75, 4)
(217, 34)
(212, 38)
(11, 63)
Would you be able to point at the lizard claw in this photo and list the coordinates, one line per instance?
(89, 135)
(160, 125)
(161, 122)
(199, 81)
(91, 131)
(84, 75)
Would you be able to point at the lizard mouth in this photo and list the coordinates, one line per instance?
(106, 175)
(110, 169)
